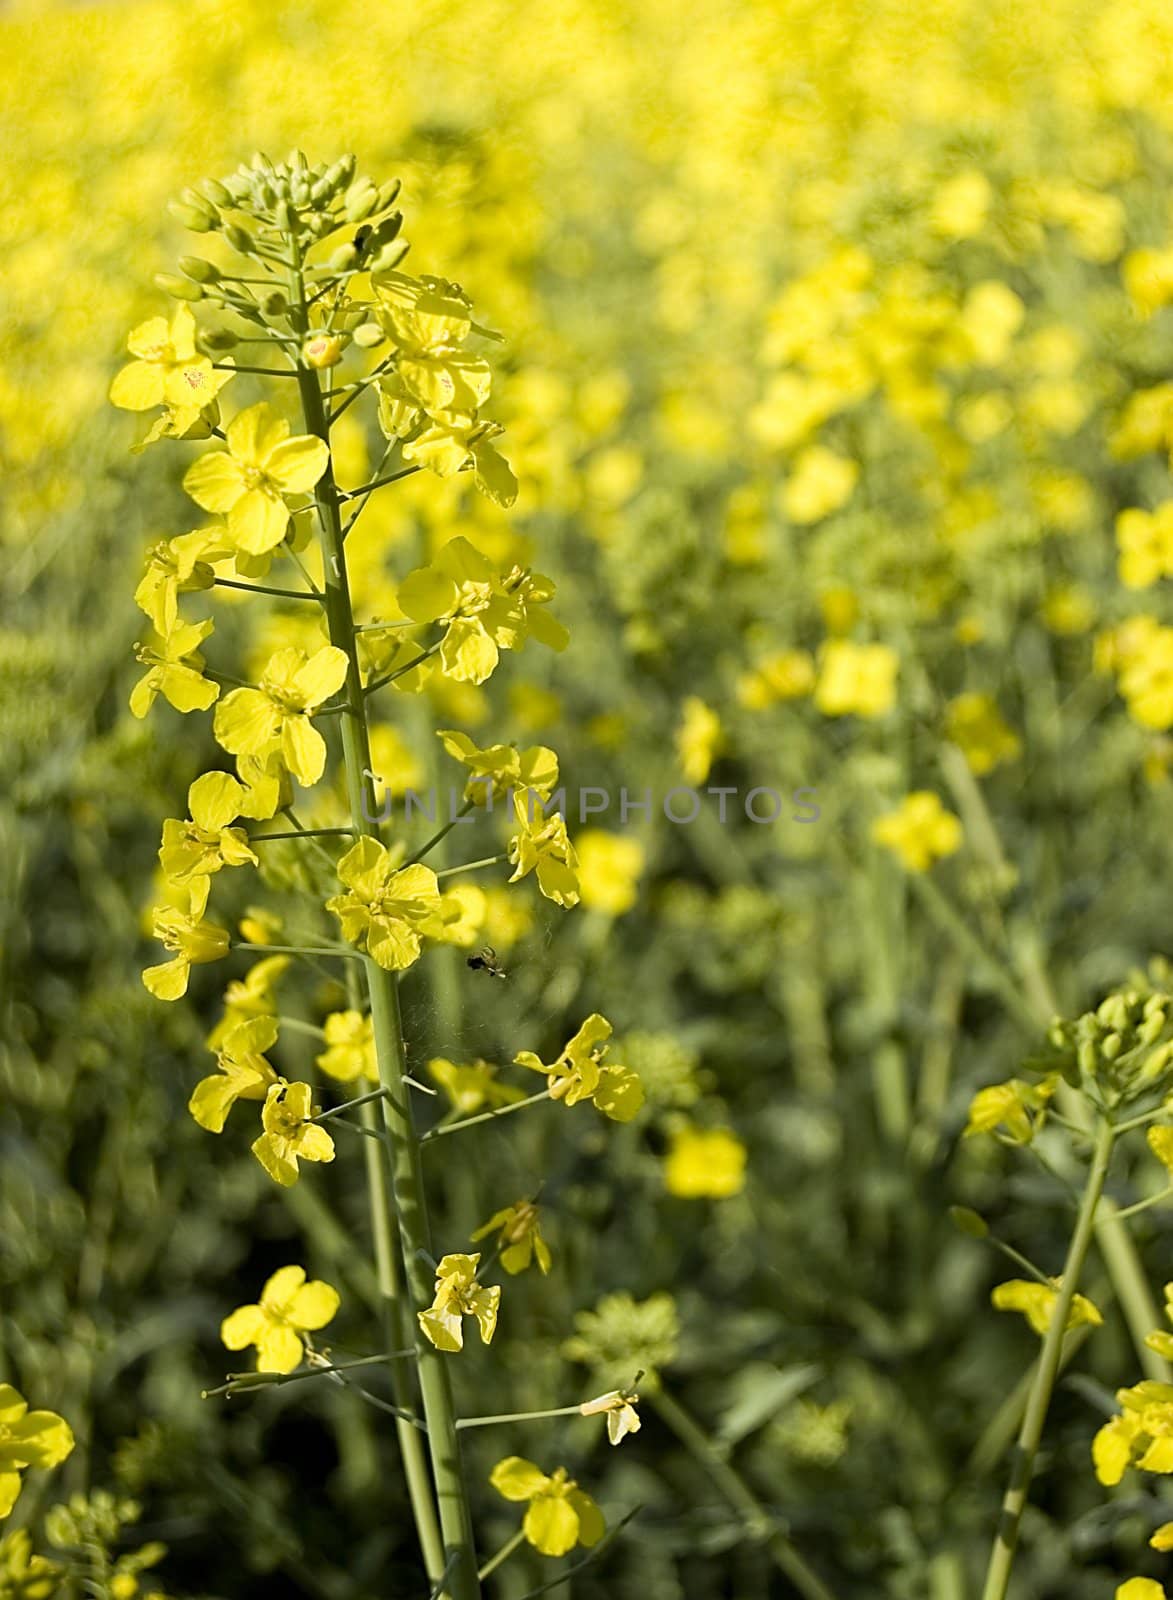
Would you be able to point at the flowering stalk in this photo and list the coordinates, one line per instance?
(1039, 1400)
(457, 1557)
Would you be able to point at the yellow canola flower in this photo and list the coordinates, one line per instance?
(961, 205)
(541, 845)
(472, 1088)
(288, 1307)
(1145, 542)
(243, 1072)
(500, 767)
(1036, 1301)
(192, 941)
(609, 869)
(920, 831)
(1146, 680)
(459, 1295)
(821, 482)
(1015, 1106)
(428, 319)
(1142, 1588)
(519, 1237)
(1141, 1435)
(174, 567)
(274, 718)
(167, 369)
(559, 1515)
(27, 1439)
(250, 996)
(250, 481)
(446, 447)
(289, 1136)
(781, 675)
(991, 315)
(1146, 423)
(698, 739)
(619, 1408)
(387, 909)
(483, 610)
(856, 679)
(23, 1575)
(350, 1048)
(206, 843)
(1162, 1539)
(704, 1164)
(175, 670)
(580, 1074)
(975, 725)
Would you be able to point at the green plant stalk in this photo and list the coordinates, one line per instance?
(1031, 1431)
(406, 1176)
(759, 1524)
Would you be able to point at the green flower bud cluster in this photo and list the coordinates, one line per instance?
(623, 1336)
(1121, 1052)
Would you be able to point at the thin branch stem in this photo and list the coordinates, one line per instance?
(502, 1555)
(264, 588)
(443, 1128)
(473, 866)
(400, 672)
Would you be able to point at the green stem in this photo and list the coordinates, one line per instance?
(472, 866)
(442, 833)
(759, 1524)
(403, 1147)
(502, 1555)
(264, 588)
(1031, 1431)
(519, 1416)
(444, 1127)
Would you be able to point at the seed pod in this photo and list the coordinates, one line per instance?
(195, 218)
(199, 269)
(178, 288)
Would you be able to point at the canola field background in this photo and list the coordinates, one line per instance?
(838, 381)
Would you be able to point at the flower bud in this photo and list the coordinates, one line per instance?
(1111, 1046)
(192, 217)
(215, 339)
(968, 1222)
(283, 216)
(1086, 1056)
(389, 256)
(300, 192)
(343, 258)
(361, 199)
(199, 269)
(320, 192)
(368, 334)
(240, 239)
(1152, 1027)
(274, 303)
(215, 192)
(323, 350)
(178, 288)
(389, 193)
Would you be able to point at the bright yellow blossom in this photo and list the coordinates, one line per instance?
(250, 996)
(541, 844)
(459, 1295)
(1141, 1435)
(820, 482)
(1015, 1106)
(920, 831)
(559, 1514)
(781, 675)
(704, 1164)
(174, 567)
(386, 909)
(174, 670)
(484, 611)
(249, 482)
(192, 941)
(350, 1048)
(1141, 1588)
(206, 843)
(500, 767)
(1036, 1301)
(167, 369)
(27, 1439)
(274, 718)
(580, 1074)
(1148, 279)
(1146, 681)
(289, 1136)
(519, 1237)
(961, 205)
(288, 1307)
(243, 1073)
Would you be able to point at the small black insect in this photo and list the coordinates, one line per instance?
(486, 961)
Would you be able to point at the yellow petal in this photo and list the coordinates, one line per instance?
(214, 800)
(246, 722)
(280, 1288)
(591, 1525)
(211, 1101)
(214, 481)
(296, 465)
(551, 1525)
(278, 1348)
(257, 521)
(314, 1305)
(323, 675)
(138, 387)
(169, 980)
(515, 1478)
(242, 1327)
(303, 749)
(253, 434)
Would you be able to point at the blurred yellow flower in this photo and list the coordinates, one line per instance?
(1036, 1301)
(704, 1163)
(350, 1048)
(781, 675)
(1148, 279)
(856, 679)
(819, 483)
(27, 1439)
(519, 1237)
(474, 1087)
(609, 869)
(1145, 541)
(975, 725)
(559, 1515)
(698, 739)
(920, 831)
(961, 205)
